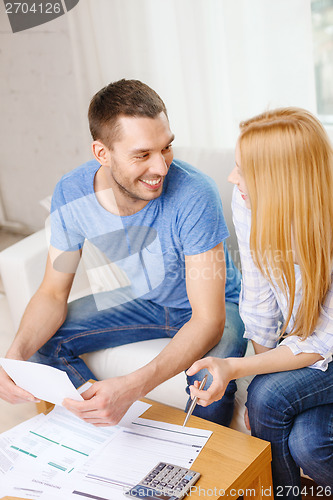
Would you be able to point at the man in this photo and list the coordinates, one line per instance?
(162, 222)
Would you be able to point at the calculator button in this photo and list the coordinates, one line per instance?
(189, 476)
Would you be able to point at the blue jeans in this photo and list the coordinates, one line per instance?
(294, 411)
(87, 329)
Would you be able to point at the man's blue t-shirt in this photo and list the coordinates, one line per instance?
(149, 245)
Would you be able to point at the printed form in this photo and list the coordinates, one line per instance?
(47, 449)
(133, 453)
(58, 456)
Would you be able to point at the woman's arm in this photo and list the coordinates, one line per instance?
(223, 370)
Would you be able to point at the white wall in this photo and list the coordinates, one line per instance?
(41, 134)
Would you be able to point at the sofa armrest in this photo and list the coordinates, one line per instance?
(22, 267)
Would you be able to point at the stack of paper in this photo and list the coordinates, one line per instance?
(58, 456)
(42, 454)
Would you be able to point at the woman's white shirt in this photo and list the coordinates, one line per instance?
(262, 305)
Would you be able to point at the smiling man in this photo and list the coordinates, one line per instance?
(161, 221)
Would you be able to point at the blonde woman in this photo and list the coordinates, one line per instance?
(283, 214)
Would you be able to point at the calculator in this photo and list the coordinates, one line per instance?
(165, 482)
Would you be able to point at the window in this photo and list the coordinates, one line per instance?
(322, 23)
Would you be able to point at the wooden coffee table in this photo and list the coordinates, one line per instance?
(232, 464)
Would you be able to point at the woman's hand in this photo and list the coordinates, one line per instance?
(221, 370)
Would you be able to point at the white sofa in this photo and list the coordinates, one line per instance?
(22, 266)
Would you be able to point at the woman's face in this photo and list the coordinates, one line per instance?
(236, 177)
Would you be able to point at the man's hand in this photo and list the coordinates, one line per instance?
(11, 393)
(106, 402)
(221, 371)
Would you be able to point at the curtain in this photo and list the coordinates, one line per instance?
(213, 62)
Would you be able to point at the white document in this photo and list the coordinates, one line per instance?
(134, 411)
(132, 454)
(40, 456)
(59, 456)
(30, 485)
(42, 381)
(8, 455)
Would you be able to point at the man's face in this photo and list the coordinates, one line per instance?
(141, 158)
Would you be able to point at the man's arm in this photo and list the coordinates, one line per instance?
(108, 400)
(44, 314)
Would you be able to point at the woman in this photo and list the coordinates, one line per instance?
(283, 214)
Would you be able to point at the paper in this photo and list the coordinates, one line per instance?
(48, 449)
(137, 409)
(60, 457)
(132, 454)
(134, 411)
(42, 381)
(8, 456)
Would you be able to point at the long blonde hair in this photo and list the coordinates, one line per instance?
(287, 162)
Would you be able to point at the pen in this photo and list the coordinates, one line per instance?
(194, 402)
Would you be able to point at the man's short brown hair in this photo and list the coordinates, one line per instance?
(121, 98)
